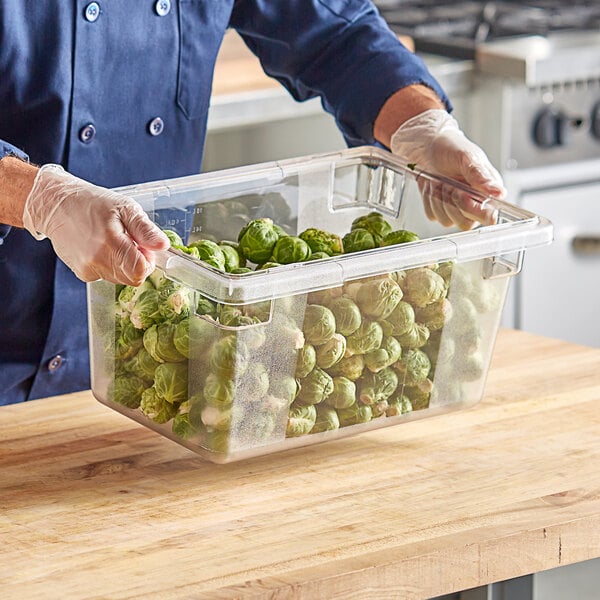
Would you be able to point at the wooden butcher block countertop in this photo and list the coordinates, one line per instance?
(95, 506)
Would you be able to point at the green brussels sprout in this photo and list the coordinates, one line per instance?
(229, 356)
(204, 306)
(145, 311)
(414, 366)
(377, 298)
(375, 387)
(351, 367)
(419, 398)
(128, 389)
(322, 241)
(210, 252)
(422, 286)
(193, 332)
(301, 420)
(385, 356)
(233, 258)
(318, 256)
(435, 315)
(181, 426)
(367, 337)
(171, 382)
(327, 419)
(216, 417)
(355, 414)
(285, 388)
(375, 224)
(128, 339)
(331, 351)
(287, 333)
(319, 324)
(251, 331)
(216, 440)
(255, 382)
(400, 236)
(398, 405)
(228, 313)
(218, 391)
(159, 342)
(157, 408)
(257, 240)
(174, 301)
(290, 249)
(468, 340)
(259, 310)
(445, 271)
(174, 237)
(464, 313)
(315, 387)
(142, 365)
(281, 232)
(378, 409)
(343, 394)
(324, 297)
(240, 270)
(306, 360)
(358, 240)
(128, 296)
(415, 337)
(347, 315)
(401, 319)
(193, 252)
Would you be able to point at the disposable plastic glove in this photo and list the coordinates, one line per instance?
(97, 233)
(434, 142)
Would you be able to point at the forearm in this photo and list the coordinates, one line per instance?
(401, 106)
(16, 181)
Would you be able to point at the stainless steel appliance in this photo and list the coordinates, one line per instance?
(535, 109)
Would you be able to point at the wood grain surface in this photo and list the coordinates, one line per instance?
(95, 506)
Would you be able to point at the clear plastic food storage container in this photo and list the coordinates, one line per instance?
(377, 316)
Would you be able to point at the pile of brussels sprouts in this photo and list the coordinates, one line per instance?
(334, 358)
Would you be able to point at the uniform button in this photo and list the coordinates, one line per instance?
(92, 12)
(156, 126)
(55, 363)
(87, 133)
(162, 7)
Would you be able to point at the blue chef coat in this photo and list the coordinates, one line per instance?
(118, 92)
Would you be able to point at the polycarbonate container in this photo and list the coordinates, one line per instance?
(238, 365)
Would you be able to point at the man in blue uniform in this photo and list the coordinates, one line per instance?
(117, 93)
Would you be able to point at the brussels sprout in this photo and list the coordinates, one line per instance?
(347, 315)
(174, 237)
(259, 310)
(285, 388)
(375, 387)
(216, 417)
(181, 426)
(324, 297)
(157, 408)
(440, 350)
(385, 356)
(468, 340)
(255, 381)
(218, 391)
(414, 366)
(355, 414)
(422, 286)
(400, 236)
(290, 249)
(445, 271)
(160, 344)
(257, 240)
(401, 319)
(357, 240)
(319, 324)
(351, 367)
(366, 338)
(469, 367)
(379, 409)
(128, 339)
(228, 313)
(229, 356)
(287, 333)
(375, 224)
(281, 232)
(270, 264)
(322, 241)
(210, 253)
(128, 296)
(318, 256)
(251, 331)
(415, 337)
(343, 394)
(233, 258)
(398, 404)
(145, 311)
(193, 332)
(378, 298)
(171, 382)
(240, 270)
(315, 387)
(301, 420)
(327, 419)
(142, 365)
(128, 390)
(464, 313)
(174, 301)
(435, 315)
(419, 398)
(331, 351)
(204, 306)
(306, 360)
(486, 296)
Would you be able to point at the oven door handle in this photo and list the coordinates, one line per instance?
(586, 244)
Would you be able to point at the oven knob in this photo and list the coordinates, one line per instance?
(551, 128)
(595, 127)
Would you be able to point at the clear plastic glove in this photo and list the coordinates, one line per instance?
(97, 233)
(434, 142)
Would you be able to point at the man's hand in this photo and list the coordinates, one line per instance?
(98, 233)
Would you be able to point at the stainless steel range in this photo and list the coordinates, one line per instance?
(535, 109)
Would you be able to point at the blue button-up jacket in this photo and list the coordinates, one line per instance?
(118, 93)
